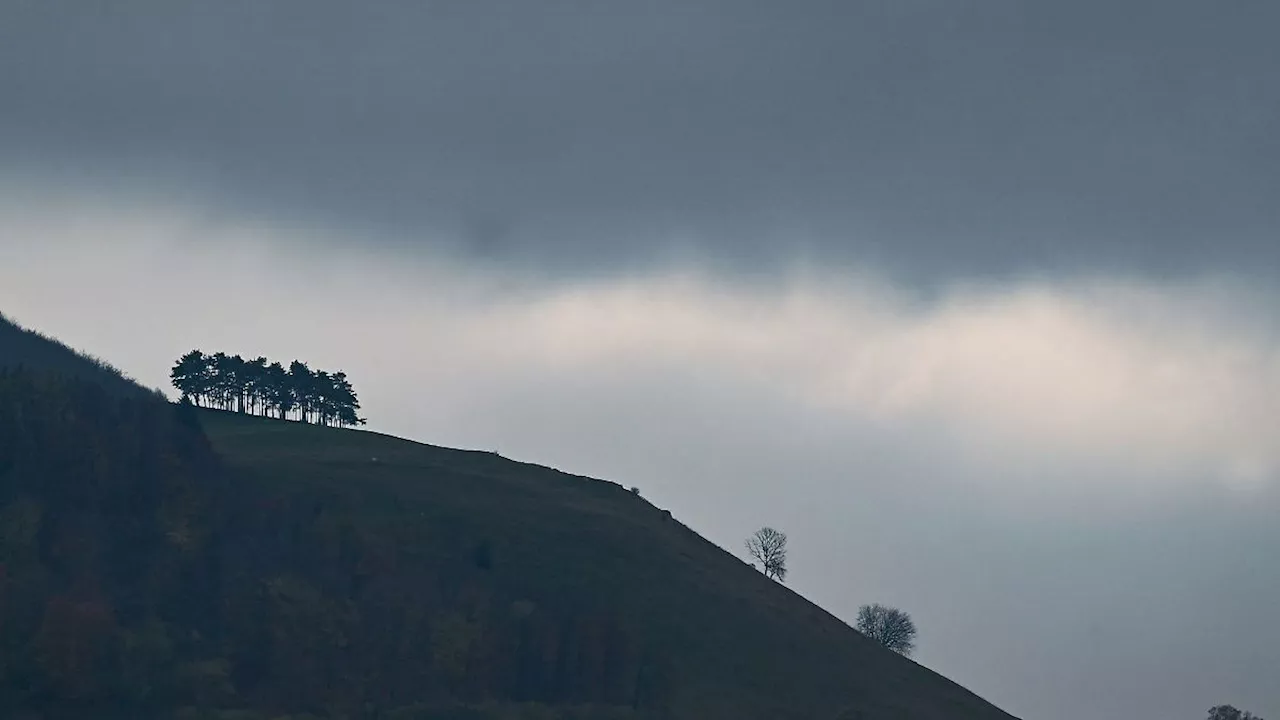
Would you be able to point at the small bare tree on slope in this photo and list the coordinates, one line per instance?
(769, 547)
(888, 626)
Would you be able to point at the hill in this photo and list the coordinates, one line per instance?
(160, 561)
(21, 347)
(723, 641)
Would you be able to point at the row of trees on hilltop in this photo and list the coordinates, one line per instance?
(256, 387)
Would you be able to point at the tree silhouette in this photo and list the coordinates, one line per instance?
(1230, 712)
(260, 387)
(278, 391)
(256, 379)
(190, 376)
(888, 626)
(769, 546)
(305, 391)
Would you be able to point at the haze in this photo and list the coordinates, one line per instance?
(976, 301)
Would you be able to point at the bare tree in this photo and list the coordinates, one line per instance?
(888, 626)
(769, 546)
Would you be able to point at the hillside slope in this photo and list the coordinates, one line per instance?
(157, 561)
(717, 639)
(22, 347)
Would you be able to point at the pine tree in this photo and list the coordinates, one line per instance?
(188, 374)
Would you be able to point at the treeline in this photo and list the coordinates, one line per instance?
(229, 382)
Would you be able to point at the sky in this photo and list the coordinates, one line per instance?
(977, 301)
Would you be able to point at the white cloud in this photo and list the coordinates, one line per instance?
(1141, 377)
(1161, 383)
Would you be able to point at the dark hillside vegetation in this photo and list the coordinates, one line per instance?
(36, 352)
(163, 561)
(109, 565)
(140, 579)
(571, 589)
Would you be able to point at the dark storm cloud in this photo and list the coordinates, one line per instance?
(936, 137)
(930, 137)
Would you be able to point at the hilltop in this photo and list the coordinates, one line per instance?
(29, 349)
(164, 561)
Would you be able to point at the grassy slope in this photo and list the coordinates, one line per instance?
(740, 646)
(21, 347)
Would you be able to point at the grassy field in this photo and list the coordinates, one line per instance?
(730, 643)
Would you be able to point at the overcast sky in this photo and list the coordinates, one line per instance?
(976, 300)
